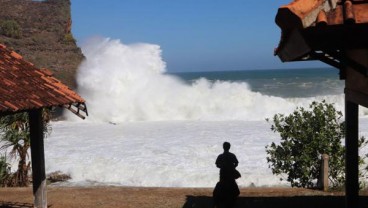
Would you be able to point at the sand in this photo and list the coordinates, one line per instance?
(126, 197)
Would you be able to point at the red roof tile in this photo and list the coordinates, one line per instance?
(309, 25)
(24, 87)
(306, 13)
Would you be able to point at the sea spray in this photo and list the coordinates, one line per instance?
(128, 83)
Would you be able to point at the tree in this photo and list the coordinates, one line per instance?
(16, 137)
(305, 136)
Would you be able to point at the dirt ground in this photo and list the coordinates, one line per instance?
(127, 197)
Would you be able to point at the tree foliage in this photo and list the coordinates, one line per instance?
(306, 134)
(4, 171)
(16, 137)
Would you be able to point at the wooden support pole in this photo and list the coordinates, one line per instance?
(352, 161)
(38, 158)
(324, 171)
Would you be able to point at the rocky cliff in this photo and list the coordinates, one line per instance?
(41, 32)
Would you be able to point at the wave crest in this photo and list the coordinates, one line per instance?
(128, 83)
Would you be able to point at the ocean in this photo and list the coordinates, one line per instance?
(152, 128)
(285, 83)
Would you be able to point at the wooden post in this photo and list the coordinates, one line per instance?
(356, 86)
(38, 158)
(352, 161)
(324, 172)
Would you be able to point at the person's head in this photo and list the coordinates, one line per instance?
(226, 146)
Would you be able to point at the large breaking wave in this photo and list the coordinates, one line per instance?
(128, 83)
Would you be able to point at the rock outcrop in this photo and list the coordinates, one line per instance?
(41, 32)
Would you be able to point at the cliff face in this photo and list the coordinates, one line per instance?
(41, 32)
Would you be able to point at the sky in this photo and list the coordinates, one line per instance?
(194, 35)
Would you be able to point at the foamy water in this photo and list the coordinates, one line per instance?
(168, 154)
(147, 128)
(161, 154)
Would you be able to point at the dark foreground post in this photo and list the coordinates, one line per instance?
(38, 158)
(352, 163)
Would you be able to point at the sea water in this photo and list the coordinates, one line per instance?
(148, 126)
(285, 83)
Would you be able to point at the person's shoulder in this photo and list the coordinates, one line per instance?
(232, 154)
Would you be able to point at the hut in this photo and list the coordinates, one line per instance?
(334, 32)
(26, 88)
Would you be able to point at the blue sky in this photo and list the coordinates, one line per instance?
(194, 35)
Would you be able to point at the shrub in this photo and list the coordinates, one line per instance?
(305, 136)
(68, 38)
(10, 28)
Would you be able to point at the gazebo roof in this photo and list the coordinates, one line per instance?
(25, 87)
(311, 26)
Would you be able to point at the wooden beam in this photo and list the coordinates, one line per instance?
(326, 58)
(356, 97)
(38, 158)
(351, 161)
(294, 47)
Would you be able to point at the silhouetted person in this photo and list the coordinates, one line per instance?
(226, 190)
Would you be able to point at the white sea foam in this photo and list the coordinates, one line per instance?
(124, 83)
(162, 154)
(127, 83)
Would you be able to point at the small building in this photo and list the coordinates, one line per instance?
(26, 88)
(334, 32)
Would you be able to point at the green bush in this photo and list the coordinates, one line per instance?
(306, 134)
(4, 171)
(10, 28)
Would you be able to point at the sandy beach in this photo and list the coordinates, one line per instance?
(129, 197)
